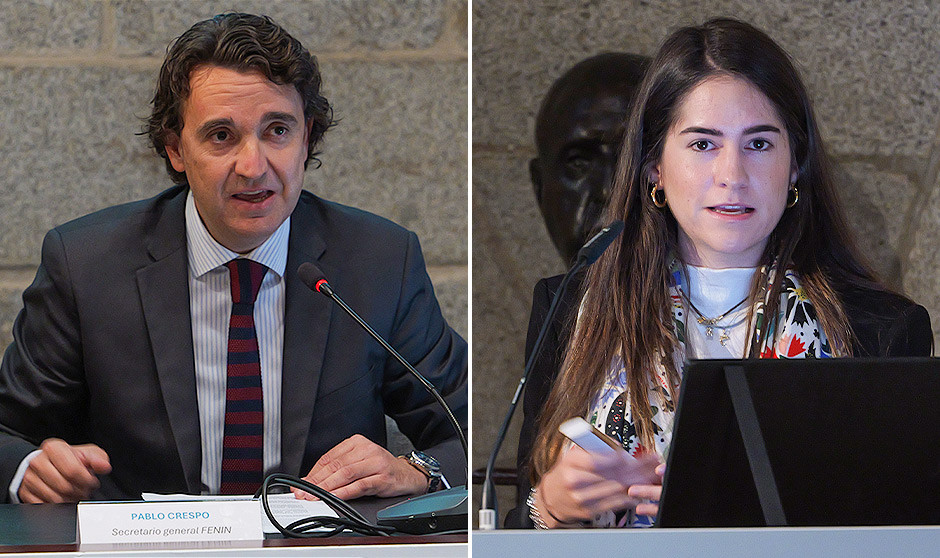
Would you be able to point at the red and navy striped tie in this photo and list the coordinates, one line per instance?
(242, 457)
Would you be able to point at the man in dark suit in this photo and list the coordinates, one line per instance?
(117, 382)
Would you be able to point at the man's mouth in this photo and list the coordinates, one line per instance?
(731, 209)
(254, 196)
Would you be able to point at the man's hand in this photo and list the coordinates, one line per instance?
(63, 473)
(359, 467)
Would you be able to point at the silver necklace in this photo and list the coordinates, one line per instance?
(712, 323)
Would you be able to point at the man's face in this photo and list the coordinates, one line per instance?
(242, 147)
(577, 158)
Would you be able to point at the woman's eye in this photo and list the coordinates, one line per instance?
(760, 145)
(701, 145)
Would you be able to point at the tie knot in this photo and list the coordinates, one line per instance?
(246, 276)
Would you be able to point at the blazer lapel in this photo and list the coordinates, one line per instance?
(164, 292)
(306, 323)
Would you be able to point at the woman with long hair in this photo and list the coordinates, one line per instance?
(735, 246)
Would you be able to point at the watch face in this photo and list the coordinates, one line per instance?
(421, 458)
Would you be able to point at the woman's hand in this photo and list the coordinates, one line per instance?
(649, 493)
(582, 484)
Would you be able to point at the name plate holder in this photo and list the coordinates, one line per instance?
(174, 524)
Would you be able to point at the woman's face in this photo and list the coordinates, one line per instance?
(725, 169)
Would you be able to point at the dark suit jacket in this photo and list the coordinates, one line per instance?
(884, 323)
(103, 350)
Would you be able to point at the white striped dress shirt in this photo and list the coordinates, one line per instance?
(210, 305)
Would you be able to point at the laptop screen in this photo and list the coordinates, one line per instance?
(847, 442)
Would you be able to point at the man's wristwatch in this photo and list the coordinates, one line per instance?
(428, 466)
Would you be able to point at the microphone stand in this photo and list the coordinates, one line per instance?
(587, 255)
(441, 510)
(323, 287)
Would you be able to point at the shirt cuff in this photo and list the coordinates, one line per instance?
(18, 477)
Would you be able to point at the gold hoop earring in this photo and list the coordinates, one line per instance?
(653, 191)
(795, 193)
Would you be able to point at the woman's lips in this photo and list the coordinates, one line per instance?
(731, 209)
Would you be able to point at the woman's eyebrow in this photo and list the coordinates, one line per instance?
(713, 132)
(700, 130)
(762, 128)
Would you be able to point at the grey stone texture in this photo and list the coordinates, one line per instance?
(399, 148)
(921, 279)
(68, 148)
(865, 63)
(32, 27)
(450, 286)
(143, 27)
(871, 68)
(879, 206)
(76, 78)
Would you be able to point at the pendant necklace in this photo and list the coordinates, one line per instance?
(711, 323)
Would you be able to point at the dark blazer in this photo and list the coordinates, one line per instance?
(103, 350)
(885, 324)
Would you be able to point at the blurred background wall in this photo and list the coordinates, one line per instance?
(76, 77)
(872, 68)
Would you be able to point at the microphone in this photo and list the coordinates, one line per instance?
(311, 276)
(587, 255)
(444, 510)
(598, 243)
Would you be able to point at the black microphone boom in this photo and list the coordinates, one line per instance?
(311, 275)
(444, 510)
(587, 255)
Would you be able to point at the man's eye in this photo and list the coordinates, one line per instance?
(279, 130)
(221, 135)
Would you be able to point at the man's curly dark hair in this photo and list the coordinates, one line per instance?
(242, 42)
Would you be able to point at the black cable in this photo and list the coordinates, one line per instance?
(349, 519)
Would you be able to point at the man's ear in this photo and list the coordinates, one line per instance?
(308, 127)
(535, 175)
(172, 146)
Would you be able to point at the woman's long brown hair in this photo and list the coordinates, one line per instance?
(625, 308)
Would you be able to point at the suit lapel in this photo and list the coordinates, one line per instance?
(306, 323)
(164, 293)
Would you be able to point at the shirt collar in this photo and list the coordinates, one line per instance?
(205, 254)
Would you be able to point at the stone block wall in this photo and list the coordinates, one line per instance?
(76, 78)
(872, 68)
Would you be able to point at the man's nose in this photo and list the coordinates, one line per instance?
(605, 178)
(250, 161)
(597, 183)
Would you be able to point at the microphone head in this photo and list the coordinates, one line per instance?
(598, 243)
(311, 276)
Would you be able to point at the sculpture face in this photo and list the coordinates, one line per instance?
(575, 167)
(578, 135)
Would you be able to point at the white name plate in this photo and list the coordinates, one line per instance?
(169, 522)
